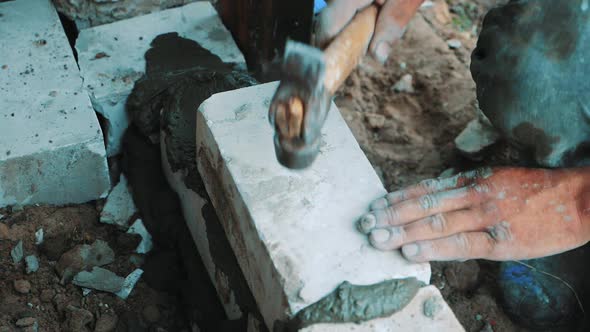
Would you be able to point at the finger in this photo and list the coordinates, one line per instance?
(332, 19)
(462, 246)
(424, 206)
(393, 18)
(433, 227)
(432, 186)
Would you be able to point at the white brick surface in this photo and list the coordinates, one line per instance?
(293, 232)
(411, 318)
(51, 145)
(110, 79)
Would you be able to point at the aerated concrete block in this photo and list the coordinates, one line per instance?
(111, 56)
(427, 312)
(51, 144)
(293, 232)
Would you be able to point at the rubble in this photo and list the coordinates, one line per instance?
(404, 85)
(107, 322)
(84, 257)
(78, 319)
(146, 239)
(462, 276)
(22, 286)
(39, 237)
(129, 283)
(32, 264)
(475, 138)
(119, 206)
(99, 279)
(17, 253)
(454, 44)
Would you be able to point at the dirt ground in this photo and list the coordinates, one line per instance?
(407, 135)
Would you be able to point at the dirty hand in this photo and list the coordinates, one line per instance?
(496, 214)
(394, 15)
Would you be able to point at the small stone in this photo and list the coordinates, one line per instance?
(151, 313)
(462, 276)
(84, 257)
(431, 307)
(86, 291)
(32, 264)
(28, 321)
(17, 252)
(106, 323)
(99, 279)
(4, 232)
(405, 84)
(39, 236)
(22, 286)
(478, 317)
(454, 44)
(47, 295)
(78, 319)
(60, 302)
(375, 121)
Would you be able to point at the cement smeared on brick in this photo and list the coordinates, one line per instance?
(354, 304)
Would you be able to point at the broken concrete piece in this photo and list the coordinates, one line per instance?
(129, 283)
(410, 318)
(476, 137)
(146, 239)
(405, 84)
(52, 149)
(84, 257)
(39, 237)
(293, 232)
(32, 264)
(17, 253)
(99, 279)
(454, 44)
(111, 56)
(119, 206)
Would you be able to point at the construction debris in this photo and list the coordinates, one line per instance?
(17, 252)
(119, 206)
(32, 264)
(146, 239)
(99, 279)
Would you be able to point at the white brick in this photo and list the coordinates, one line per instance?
(412, 318)
(51, 145)
(293, 232)
(110, 80)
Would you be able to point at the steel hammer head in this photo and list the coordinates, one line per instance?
(300, 105)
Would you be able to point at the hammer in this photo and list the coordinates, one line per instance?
(309, 78)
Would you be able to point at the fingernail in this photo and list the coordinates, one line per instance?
(367, 223)
(410, 250)
(380, 203)
(382, 51)
(380, 235)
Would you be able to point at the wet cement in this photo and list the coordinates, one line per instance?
(354, 304)
(180, 75)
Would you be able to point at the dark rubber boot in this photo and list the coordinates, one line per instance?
(550, 293)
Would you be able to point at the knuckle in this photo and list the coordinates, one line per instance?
(429, 185)
(438, 223)
(463, 242)
(392, 215)
(428, 202)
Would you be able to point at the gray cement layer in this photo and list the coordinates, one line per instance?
(417, 316)
(111, 56)
(292, 232)
(51, 144)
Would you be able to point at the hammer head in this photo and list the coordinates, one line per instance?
(300, 105)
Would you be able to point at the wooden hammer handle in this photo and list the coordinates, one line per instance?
(346, 50)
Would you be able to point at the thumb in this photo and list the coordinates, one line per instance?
(391, 24)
